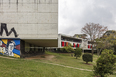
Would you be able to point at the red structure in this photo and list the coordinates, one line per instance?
(74, 44)
(77, 45)
(62, 44)
(88, 46)
(66, 43)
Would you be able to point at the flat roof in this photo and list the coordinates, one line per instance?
(11, 38)
(70, 36)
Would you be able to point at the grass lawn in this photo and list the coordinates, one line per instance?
(68, 60)
(35, 68)
(32, 68)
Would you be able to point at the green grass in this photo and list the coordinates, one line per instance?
(32, 68)
(68, 60)
(35, 68)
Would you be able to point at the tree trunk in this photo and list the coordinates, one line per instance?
(102, 75)
(83, 50)
(86, 62)
(92, 51)
(92, 46)
(98, 52)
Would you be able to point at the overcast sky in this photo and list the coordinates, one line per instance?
(74, 14)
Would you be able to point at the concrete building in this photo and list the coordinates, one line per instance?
(27, 24)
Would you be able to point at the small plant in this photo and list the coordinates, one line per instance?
(105, 63)
(67, 49)
(78, 52)
(87, 57)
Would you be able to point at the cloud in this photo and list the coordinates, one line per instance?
(74, 14)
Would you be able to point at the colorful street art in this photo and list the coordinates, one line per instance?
(10, 47)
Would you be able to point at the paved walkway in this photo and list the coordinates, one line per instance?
(67, 66)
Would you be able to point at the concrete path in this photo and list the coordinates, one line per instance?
(67, 66)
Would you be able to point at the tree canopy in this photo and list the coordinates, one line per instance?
(94, 31)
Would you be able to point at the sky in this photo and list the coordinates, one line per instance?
(74, 14)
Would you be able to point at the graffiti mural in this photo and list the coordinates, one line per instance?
(4, 27)
(10, 47)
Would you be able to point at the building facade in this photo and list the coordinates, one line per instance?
(65, 40)
(32, 22)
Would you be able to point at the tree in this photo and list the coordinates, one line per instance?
(105, 64)
(78, 52)
(87, 57)
(108, 41)
(93, 31)
(112, 39)
(103, 43)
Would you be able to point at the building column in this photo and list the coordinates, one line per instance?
(43, 50)
(22, 47)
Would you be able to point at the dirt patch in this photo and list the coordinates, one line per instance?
(45, 56)
(7, 57)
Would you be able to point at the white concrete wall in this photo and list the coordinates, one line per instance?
(32, 19)
(59, 41)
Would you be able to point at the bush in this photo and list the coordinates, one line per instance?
(105, 63)
(114, 49)
(87, 57)
(78, 52)
(67, 49)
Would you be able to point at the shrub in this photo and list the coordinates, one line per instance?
(87, 57)
(78, 52)
(105, 63)
(67, 49)
(114, 49)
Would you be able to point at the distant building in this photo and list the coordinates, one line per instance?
(65, 40)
